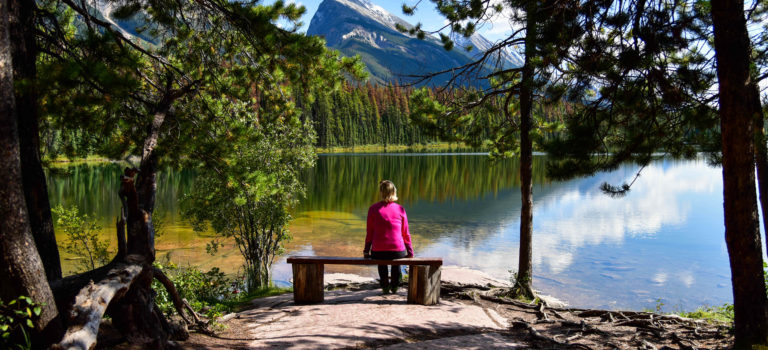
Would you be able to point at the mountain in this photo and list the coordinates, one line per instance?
(359, 27)
(480, 44)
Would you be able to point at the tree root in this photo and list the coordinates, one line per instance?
(647, 324)
(533, 333)
(585, 328)
(541, 313)
(676, 337)
(521, 290)
(582, 328)
(557, 314)
(506, 301)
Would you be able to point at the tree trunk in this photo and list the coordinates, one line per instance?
(136, 315)
(21, 270)
(737, 113)
(524, 281)
(24, 52)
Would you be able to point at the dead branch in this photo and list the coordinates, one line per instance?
(178, 304)
(192, 311)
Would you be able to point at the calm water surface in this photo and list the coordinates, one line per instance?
(664, 240)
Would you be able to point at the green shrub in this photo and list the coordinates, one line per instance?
(16, 317)
(205, 291)
(210, 293)
(82, 238)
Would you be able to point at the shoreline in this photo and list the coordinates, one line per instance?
(452, 277)
(356, 315)
(462, 277)
(372, 148)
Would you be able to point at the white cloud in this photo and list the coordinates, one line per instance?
(572, 218)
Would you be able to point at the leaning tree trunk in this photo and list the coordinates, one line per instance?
(24, 52)
(524, 281)
(130, 298)
(737, 113)
(136, 314)
(123, 289)
(21, 269)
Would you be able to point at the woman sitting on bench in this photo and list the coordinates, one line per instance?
(387, 236)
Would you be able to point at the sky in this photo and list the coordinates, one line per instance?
(497, 29)
(425, 13)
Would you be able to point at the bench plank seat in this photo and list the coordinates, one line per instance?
(308, 271)
(342, 260)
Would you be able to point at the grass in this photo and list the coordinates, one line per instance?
(722, 313)
(711, 313)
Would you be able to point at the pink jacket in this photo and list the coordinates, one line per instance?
(387, 229)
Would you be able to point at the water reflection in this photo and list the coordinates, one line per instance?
(582, 216)
(663, 240)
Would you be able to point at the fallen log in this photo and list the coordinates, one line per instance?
(65, 289)
(91, 303)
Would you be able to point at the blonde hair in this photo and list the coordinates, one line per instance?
(387, 191)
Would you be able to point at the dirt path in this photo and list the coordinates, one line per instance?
(469, 316)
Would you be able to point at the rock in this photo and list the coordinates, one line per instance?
(227, 317)
(552, 301)
(463, 276)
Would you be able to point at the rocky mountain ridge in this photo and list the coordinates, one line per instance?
(360, 27)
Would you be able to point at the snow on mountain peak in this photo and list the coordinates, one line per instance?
(375, 12)
(362, 27)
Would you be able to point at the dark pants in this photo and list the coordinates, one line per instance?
(396, 272)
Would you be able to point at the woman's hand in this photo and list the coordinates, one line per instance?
(409, 255)
(366, 255)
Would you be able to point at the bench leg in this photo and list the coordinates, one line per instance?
(424, 284)
(308, 283)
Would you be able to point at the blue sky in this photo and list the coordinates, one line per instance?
(426, 14)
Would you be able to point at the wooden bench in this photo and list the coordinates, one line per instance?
(308, 279)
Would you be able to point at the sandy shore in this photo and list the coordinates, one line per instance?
(355, 315)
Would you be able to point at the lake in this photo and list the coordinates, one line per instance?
(663, 241)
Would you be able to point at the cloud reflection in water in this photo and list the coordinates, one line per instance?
(662, 240)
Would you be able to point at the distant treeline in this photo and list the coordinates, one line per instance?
(356, 115)
(379, 114)
(364, 115)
